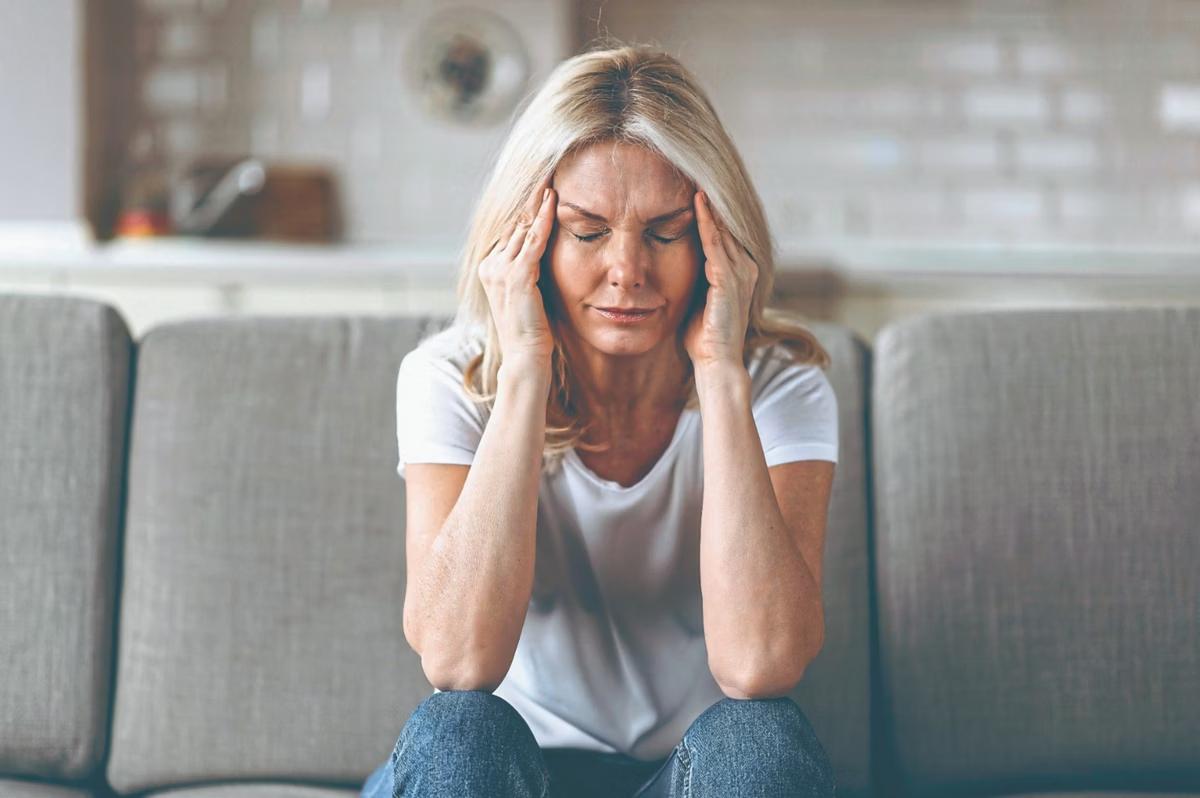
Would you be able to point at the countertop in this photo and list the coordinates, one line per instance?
(208, 260)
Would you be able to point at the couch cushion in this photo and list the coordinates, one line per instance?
(835, 691)
(259, 791)
(64, 386)
(265, 556)
(12, 788)
(1038, 556)
(261, 632)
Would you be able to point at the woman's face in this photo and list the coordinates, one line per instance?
(625, 236)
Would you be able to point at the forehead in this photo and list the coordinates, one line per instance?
(619, 173)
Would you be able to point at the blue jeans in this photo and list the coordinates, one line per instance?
(466, 743)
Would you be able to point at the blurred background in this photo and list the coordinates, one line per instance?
(195, 157)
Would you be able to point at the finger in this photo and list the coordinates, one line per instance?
(496, 244)
(728, 243)
(706, 225)
(732, 248)
(539, 232)
(533, 201)
(516, 235)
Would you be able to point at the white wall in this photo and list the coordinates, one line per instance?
(324, 82)
(41, 102)
(1052, 122)
(983, 122)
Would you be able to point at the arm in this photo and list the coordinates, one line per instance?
(759, 560)
(472, 589)
(763, 617)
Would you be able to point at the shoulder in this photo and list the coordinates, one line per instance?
(774, 372)
(431, 373)
(447, 351)
(430, 395)
(794, 407)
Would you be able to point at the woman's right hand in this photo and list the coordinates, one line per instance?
(509, 273)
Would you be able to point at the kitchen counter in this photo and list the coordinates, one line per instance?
(173, 260)
(861, 284)
(180, 259)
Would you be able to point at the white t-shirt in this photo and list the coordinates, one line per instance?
(611, 655)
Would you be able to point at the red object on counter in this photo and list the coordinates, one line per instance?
(138, 223)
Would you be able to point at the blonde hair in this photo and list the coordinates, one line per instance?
(632, 94)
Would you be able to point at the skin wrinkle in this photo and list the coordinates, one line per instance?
(635, 386)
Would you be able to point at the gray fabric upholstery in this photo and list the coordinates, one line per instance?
(1037, 489)
(258, 791)
(64, 383)
(835, 692)
(11, 788)
(261, 632)
(1033, 477)
(265, 548)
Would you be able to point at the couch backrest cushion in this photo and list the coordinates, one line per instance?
(261, 632)
(835, 692)
(64, 403)
(261, 629)
(1037, 487)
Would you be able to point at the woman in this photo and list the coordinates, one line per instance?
(614, 587)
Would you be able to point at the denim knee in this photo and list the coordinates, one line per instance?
(480, 706)
(771, 738)
(468, 736)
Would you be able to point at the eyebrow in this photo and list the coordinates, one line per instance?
(656, 220)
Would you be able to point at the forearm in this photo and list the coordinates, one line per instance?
(762, 606)
(477, 583)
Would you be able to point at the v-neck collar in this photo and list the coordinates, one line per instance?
(685, 420)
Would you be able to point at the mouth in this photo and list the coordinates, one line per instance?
(626, 315)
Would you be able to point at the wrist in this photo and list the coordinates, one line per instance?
(722, 378)
(522, 370)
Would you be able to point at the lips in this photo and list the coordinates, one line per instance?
(628, 315)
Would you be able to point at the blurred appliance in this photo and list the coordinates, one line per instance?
(249, 198)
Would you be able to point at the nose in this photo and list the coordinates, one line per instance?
(628, 260)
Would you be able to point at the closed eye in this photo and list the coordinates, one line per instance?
(657, 238)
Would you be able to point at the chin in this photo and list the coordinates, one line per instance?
(625, 348)
(620, 342)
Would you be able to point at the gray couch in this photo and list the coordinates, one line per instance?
(202, 566)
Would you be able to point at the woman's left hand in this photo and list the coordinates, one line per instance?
(716, 334)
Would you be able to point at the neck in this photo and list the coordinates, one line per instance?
(619, 390)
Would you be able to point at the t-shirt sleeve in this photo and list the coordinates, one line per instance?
(796, 413)
(436, 421)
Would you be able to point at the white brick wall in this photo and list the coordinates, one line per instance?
(318, 81)
(1059, 121)
(1025, 121)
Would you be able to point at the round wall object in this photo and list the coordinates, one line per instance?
(468, 65)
